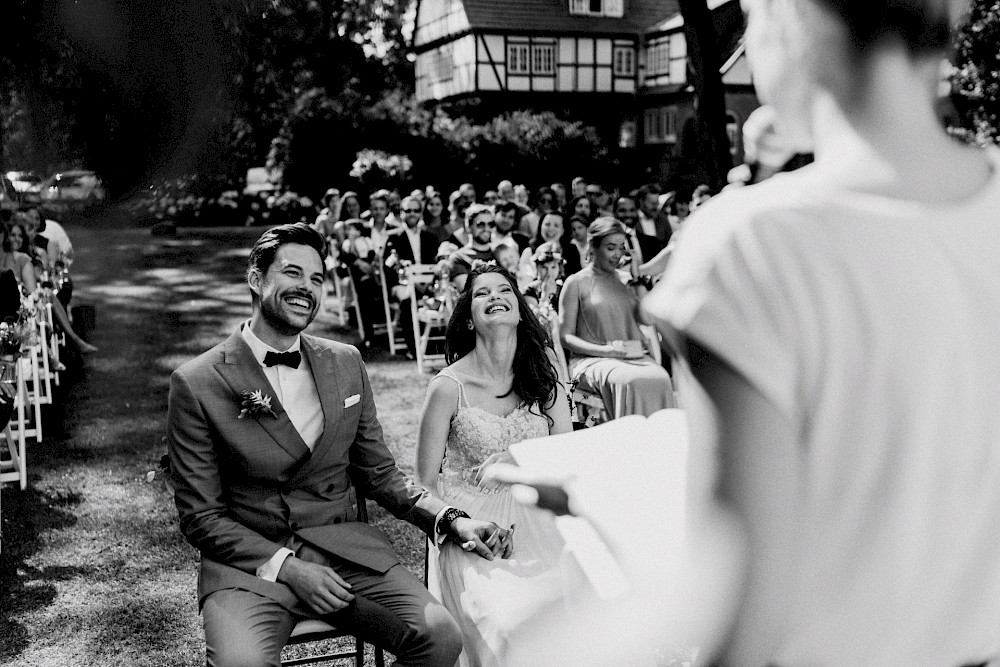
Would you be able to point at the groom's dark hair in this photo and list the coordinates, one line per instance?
(263, 251)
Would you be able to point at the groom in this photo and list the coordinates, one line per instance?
(266, 483)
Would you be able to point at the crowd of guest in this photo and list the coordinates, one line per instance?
(35, 256)
(552, 242)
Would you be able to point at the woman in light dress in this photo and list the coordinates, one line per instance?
(500, 388)
(600, 327)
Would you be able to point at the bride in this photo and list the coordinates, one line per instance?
(501, 387)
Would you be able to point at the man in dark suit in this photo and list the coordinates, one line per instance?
(627, 213)
(272, 435)
(409, 243)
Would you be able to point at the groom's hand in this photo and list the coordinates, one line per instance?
(484, 537)
(317, 585)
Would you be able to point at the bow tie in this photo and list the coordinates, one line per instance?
(291, 359)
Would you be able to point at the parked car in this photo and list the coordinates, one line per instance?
(25, 181)
(77, 185)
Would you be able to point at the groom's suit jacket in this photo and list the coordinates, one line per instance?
(247, 487)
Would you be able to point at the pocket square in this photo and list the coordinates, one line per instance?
(352, 400)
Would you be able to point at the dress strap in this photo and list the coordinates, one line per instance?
(463, 401)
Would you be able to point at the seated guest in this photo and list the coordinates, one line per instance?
(579, 206)
(640, 245)
(358, 254)
(379, 226)
(507, 256)
(552, 230)
(545, 202)
(410, 244)
(434, 220)
(479, 225)
(600, 327)
(457, 206)
(14, 259)
(542, 295)
(507, 218)
(578, 226)
(327, 219)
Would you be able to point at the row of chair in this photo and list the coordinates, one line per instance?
(427, 323)
(34, 374)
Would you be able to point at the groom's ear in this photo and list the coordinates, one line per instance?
(253, 280)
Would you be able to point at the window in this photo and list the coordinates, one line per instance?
(610, 8)
(660, 125)
(517, 59)
(624, 60)
(668, 58)
(543, 59)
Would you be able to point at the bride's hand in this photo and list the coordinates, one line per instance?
(483, 481)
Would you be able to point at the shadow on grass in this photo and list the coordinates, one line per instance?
(26, 516)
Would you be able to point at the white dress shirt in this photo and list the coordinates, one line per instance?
(296, 391)
(633, 241)
(648, 224)
(414, 236)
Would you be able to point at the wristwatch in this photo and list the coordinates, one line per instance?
(448, 518)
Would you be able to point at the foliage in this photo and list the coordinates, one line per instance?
(380, 169)
(141, 91)
(976, 76)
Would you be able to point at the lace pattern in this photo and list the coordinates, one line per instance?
(477, 434)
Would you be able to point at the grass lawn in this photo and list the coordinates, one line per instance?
(94, 570)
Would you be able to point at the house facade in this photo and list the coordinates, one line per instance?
(620, 65)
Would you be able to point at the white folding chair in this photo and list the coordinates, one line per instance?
(429, 324)
(391, 328)
(13, 456)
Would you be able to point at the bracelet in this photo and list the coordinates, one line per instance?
(448, 518)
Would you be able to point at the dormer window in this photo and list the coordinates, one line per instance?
(611, 8)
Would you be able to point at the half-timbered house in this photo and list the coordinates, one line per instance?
(620, 65)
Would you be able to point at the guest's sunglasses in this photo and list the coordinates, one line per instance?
(411, 210)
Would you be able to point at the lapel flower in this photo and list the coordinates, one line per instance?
(255, 404)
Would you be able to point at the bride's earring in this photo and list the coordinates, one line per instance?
(471, 326)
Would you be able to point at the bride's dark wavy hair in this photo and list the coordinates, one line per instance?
(535, 378)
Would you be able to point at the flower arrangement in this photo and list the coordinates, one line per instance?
(255, 404)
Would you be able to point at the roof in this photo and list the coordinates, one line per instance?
(554, 16)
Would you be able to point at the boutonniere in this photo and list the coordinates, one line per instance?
(255, 404)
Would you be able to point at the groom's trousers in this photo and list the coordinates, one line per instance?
(392, 610)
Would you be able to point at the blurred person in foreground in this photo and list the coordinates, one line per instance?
(837, 328)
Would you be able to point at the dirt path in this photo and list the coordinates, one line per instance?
(93, 569)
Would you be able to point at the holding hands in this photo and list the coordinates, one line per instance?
(484, 537)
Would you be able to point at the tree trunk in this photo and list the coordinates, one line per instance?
(710, 100)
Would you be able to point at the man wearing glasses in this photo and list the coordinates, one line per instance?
(599, 200)
(414, 245)
(479, 226)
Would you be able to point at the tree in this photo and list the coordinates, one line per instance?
(976, 77)
(705, 57)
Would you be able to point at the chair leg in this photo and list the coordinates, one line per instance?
(359, 655)
(379, 657)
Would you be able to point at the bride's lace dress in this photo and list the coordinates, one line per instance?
(494, 600)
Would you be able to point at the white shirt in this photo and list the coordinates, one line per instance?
(414, 236)
(379, 237)
(873, 326)
(647, 224)
(295, 389)
(58, 241)
(633, 240)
